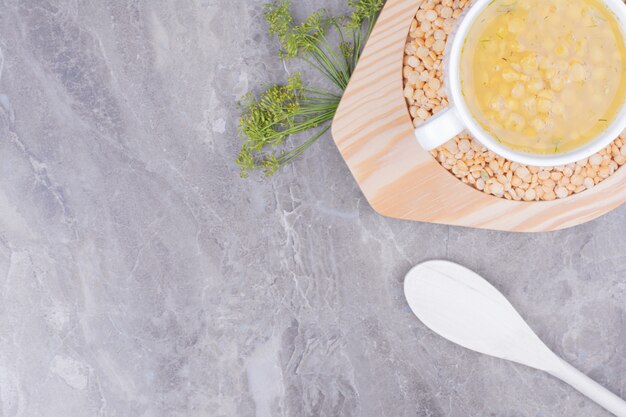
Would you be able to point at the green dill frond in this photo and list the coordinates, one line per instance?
(295, 39)
(270, 164)
(279, 18)
(246, 162)
(267, 122)
(364, 11)
(280, 111)
(264, 119)
(346, 48)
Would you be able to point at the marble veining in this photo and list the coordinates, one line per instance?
(140, 276)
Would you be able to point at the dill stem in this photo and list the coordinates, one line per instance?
(288, 157)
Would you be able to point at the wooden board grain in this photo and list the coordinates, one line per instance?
(374, 134)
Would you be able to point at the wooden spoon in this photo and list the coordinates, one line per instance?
(461, 306)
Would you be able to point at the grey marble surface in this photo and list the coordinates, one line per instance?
(140, 276)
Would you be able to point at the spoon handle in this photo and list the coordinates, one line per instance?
(587, 386)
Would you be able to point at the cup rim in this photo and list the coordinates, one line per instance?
(614, 130)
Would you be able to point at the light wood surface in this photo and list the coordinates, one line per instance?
(374, 134)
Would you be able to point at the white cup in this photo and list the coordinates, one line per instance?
(457, 118)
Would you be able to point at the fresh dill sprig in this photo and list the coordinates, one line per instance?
(280, 111)
(364, 11)
(295, 39)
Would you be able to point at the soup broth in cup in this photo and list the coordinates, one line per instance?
(540, 82)
(544, 76)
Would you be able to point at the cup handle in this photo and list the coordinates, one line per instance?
(439, 129)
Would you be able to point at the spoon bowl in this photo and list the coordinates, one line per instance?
(463, 307)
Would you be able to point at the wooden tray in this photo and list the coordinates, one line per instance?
(374, 134)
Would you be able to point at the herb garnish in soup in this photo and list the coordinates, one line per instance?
(544, 76)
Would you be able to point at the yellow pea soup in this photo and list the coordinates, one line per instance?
(544, 76)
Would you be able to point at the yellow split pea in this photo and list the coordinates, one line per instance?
(544, 76)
